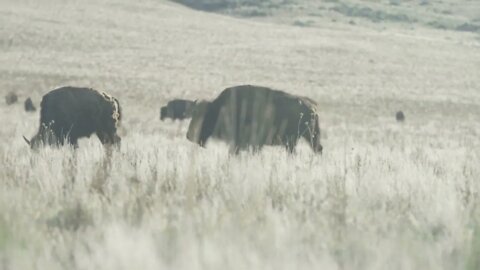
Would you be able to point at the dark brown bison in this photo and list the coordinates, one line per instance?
(400, 116)
(69, 113)
(177, 109)
(28, 105)
(11, 98)
(250, 116)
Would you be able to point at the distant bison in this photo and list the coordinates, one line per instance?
(28, 104)
(11, 98)
(400, 116)
(253, 116)
(177, 109)
(69, 113)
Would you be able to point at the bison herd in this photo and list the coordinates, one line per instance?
(245, 117)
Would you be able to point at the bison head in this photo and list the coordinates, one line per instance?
(45, 136)
(318, 148)
(312, 133)
(163, 112)
(40, 139)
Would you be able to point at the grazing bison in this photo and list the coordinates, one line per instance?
(28, 104)
(400, 116)
(177, 109)
(11, 98)
(253, 116)
(69, 113)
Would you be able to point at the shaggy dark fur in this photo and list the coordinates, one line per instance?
(253, 116)
(177, 109)
(69, 113)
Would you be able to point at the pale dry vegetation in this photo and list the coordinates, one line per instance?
(383, 195)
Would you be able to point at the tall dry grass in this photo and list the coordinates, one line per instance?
(161, 203)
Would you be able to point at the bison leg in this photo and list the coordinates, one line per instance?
(257, 149)
(290, 145)
(73, 142)
(234, 150)
(104, 138)
(107, 138)
(65, 137)
(58, 139)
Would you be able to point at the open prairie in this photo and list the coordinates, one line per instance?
(384, 195)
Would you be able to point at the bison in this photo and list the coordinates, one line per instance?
(249, 116)
(177, 109)
(28, 105)
(400, 116)
(11, 98)
(69, 113)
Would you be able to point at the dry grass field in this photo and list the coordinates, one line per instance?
(384, 195)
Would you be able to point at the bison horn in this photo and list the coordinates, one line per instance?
(28, 142)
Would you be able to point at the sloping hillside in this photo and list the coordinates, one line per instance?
(463, 15)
